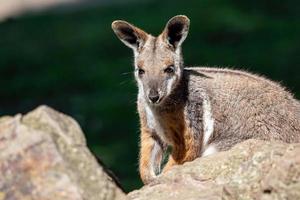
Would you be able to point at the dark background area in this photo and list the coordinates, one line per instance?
(70, 60)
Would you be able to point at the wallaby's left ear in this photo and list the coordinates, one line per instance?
(176, 30)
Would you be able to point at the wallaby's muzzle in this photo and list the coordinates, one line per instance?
(153, 96)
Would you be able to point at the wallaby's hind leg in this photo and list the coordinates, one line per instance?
(220, 145)
(210, 149)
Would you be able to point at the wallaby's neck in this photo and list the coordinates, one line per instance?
(170, 115)
(176, 100)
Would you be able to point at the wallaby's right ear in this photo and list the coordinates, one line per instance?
(130, 35)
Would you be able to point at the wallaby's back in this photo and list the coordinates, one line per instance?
(246, 106)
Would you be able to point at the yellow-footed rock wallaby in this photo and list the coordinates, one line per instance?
(199, 111)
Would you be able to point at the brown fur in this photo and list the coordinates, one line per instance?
(198, 110)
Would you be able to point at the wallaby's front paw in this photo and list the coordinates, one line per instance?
(169, 165)
(148, 179)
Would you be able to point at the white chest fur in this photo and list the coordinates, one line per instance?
(154, 123)
(208, 121)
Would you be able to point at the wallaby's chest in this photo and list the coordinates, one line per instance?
(169, 126)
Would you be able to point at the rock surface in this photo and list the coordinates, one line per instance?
(43, 156)
(251, 170)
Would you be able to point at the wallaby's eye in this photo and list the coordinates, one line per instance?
(141, 71)
(170, 69)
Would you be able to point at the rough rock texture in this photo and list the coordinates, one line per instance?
(43, 156)
(251, 170)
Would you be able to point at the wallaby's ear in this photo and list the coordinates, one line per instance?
(130, 35)
(176, 30)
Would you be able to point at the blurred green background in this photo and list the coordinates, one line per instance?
(70, 60)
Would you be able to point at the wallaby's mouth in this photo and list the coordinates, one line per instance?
(154, 97)
(155, 101)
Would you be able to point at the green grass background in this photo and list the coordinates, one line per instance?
(72, 61)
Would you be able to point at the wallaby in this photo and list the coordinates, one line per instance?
(199, 111)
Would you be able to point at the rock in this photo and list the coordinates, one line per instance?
(253, 169)
(43, 156)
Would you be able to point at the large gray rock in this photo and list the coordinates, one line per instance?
(43, 156)
(251, 170)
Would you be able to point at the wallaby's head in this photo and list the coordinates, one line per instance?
(158, 61)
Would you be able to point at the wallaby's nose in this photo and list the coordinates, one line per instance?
(153, 96)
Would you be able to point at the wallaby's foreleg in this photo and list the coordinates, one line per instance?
(189, 146)
(171, 162)
(188, 151)
(151, 154)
